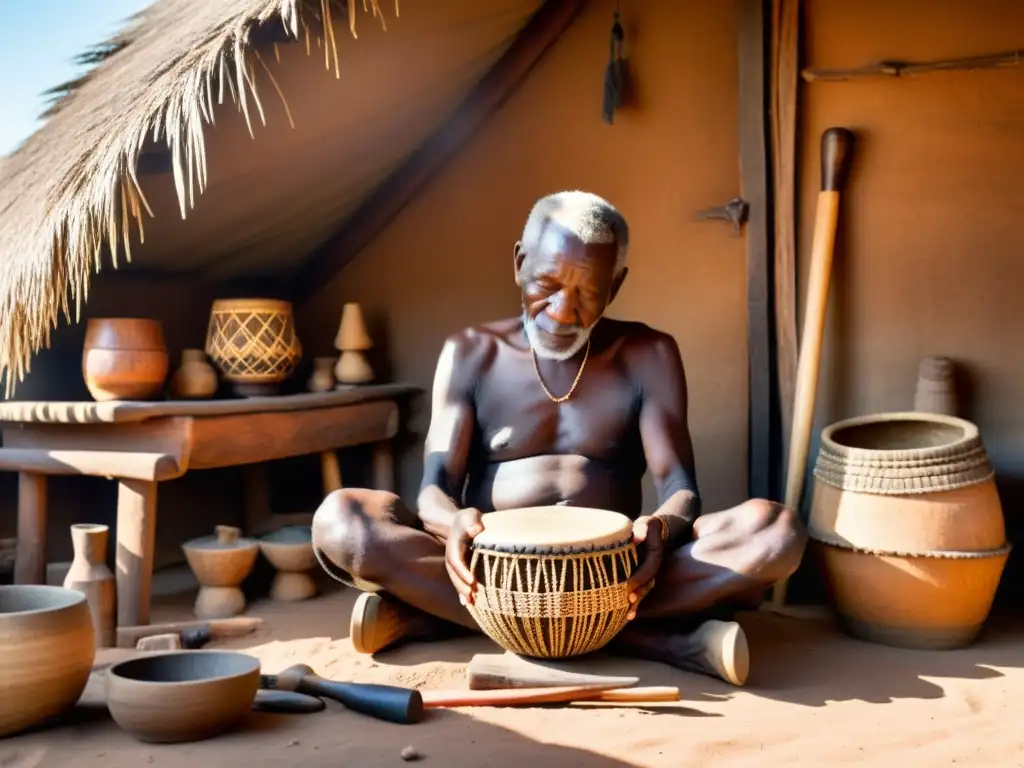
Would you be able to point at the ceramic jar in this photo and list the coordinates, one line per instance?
(124, 358)
(48, 653)
(195, 377)
(90, 575)
(909, 527)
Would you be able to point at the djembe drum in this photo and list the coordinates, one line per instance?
(552, 581)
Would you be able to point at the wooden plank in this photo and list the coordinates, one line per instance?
(785, 64)
(753, 157)
(389, 198)
(127, 464)
(228, 441)
(30, 549)
(44, 412)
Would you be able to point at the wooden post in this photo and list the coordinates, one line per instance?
(136, 539)
(753, 132)
(785, 63)
(30, 550)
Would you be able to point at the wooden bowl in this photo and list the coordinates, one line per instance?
(47, 649)
(222, 560)
(182, 695)
(124, 358)
(290, 548)
(290, 551)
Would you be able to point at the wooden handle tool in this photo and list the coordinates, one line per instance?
(489, 671)
(511, 697)
(385, 702)
(836, 149)
(237, 626)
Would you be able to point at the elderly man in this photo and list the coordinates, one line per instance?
(561, 406)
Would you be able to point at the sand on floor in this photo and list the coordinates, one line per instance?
(814, 697)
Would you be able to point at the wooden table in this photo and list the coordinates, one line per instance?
(143, 443)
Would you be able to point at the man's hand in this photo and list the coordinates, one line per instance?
(648, 533)
(467, 524)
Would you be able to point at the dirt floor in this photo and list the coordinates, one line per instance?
(814, 697)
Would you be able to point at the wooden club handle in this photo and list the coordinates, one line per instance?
(836, 150)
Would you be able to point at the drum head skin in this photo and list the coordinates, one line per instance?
(553, 529)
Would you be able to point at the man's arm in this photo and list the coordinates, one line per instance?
(665, 433)
(447, 447)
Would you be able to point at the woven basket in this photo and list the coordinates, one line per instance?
(253, 341)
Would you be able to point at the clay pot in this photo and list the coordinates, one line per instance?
(322, 379)
(90, 575)
(183, 695)
(936, 388)
(909, 528)
(195, 377)
(290, 551)
(124, 358)
(220, 563)
(48, 649)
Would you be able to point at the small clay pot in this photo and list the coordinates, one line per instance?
(195, 377)
(220, 563)
(290, 551)
(322, 379)
(124, 358)
(182, 695)
(47, 649)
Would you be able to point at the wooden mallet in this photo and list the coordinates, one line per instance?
(836, 148)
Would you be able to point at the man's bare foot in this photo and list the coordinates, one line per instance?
(715, 648)
(380, 622)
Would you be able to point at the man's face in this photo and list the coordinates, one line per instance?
(566, 286)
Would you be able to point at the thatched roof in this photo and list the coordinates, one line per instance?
(71, 196)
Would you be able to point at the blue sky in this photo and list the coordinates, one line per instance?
(38, 40)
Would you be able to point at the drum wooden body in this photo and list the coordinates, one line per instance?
(552, 581)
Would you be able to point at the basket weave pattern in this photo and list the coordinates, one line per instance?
(253, 343)
(905, 471)
(553, 605)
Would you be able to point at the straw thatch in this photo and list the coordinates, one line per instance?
(159, 80)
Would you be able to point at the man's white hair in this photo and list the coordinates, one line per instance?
(589, 217)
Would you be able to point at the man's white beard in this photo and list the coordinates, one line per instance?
(533, 336)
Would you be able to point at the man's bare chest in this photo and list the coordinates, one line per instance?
(517, 418)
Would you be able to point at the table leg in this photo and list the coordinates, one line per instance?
(257, 498)
(30, 550)
(383, 466)
(136, 539)
(330, 471)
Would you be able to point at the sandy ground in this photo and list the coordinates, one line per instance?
(814, 697)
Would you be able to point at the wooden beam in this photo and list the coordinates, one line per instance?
(388, 199)
(754, 175)
(785, 63)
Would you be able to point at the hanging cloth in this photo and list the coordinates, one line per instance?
(613, 73)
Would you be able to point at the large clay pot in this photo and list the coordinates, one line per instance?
(90, 575)
(124, 358)
(909, 528)
(47, 651)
